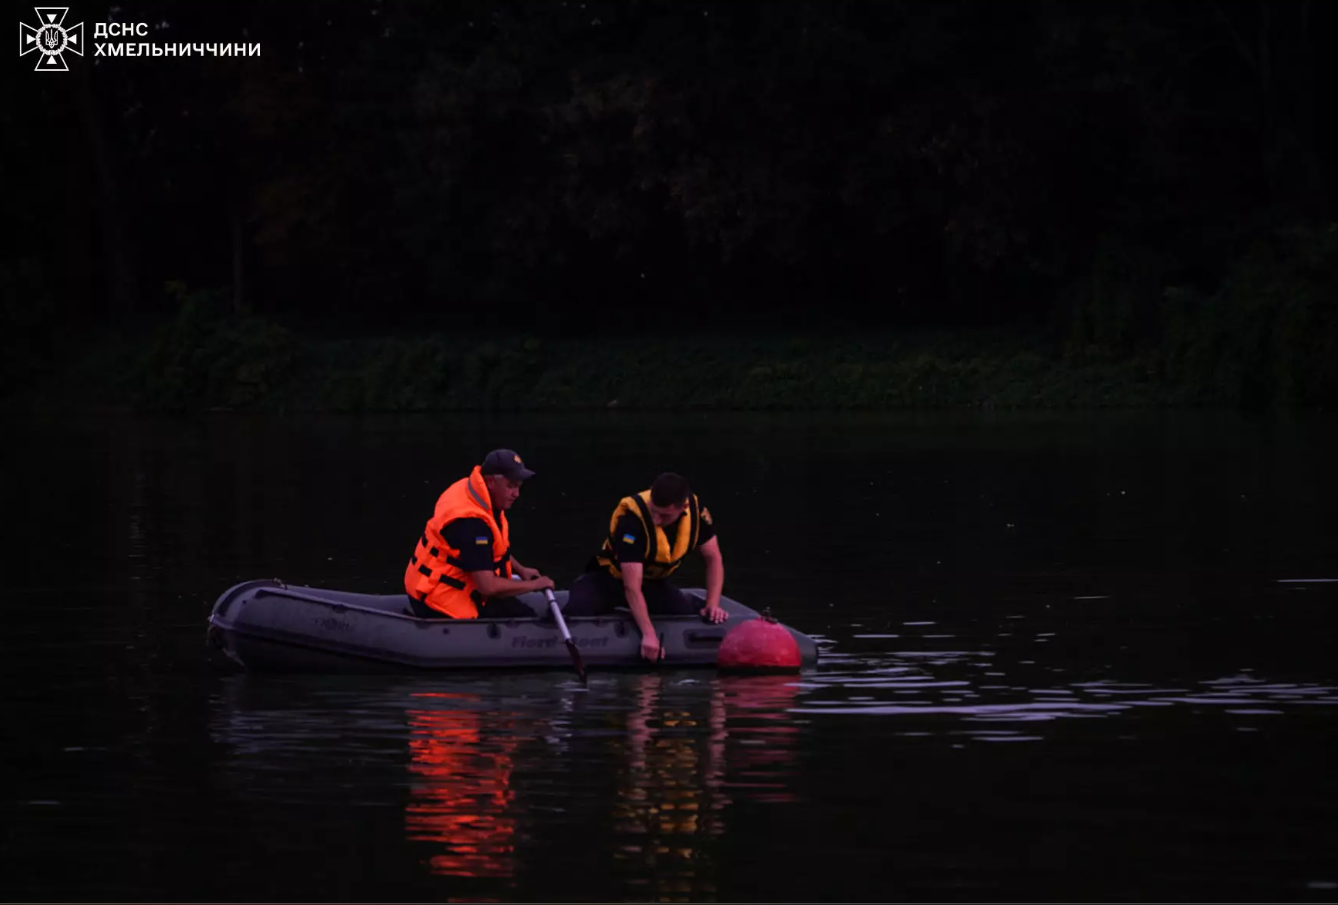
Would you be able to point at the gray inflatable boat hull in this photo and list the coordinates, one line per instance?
(269, 625)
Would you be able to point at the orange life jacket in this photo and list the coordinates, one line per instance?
(434, 576)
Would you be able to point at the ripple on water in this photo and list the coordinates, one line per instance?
(966, 685)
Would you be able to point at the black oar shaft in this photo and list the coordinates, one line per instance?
(566, 635)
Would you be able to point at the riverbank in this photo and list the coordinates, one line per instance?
(1267, 337)
(209, 359)
(211, 362)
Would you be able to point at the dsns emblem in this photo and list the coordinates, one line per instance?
(51, 39)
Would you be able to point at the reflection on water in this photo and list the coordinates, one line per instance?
(668, 802)
(964, 684)
(642, 766)
(461, 797)
(690, 745)
(764, 737)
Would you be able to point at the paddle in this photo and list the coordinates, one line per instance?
(566, 635)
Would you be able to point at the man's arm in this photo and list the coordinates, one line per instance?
(636, 602)
(631, 544)
(490, 584)
(525, 573)
(473, 538)
(715, 580)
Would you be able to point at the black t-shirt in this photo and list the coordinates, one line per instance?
(473, 538)
(630, 538)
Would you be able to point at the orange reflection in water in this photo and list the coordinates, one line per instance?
(688, 752)
(671, 796)
(462, 798)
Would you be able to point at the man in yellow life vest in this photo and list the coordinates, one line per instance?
(462, 565)
(649, 535)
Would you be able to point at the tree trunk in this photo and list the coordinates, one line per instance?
(1284, 69)
(1280, 53)
(117, 221)
(1296, 177)
(241, 302)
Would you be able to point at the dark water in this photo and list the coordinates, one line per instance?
(1065, 657)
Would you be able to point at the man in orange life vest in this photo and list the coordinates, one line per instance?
(462, 565)
(649, 535)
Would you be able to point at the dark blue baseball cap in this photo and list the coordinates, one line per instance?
(506, 462)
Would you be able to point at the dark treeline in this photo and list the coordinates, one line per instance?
(1117, 179)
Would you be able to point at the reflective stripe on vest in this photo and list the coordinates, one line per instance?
(661, 557)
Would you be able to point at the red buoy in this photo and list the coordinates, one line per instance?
(759, 645)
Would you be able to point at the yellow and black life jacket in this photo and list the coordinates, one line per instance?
(662, 554)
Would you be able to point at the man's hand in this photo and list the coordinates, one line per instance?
(650, 647)
(542, 583)
(714, 614)
(527, 574)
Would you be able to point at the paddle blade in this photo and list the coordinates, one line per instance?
(576, 659)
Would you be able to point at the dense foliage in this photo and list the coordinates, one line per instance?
(1138, 186)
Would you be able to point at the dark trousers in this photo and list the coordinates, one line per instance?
(595, 593)
(496, 608)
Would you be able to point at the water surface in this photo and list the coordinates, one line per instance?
(1085, 657)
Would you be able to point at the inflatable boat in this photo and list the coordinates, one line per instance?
(267, 624)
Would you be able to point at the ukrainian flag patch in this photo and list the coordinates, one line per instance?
(629, 538)
(481, 541)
